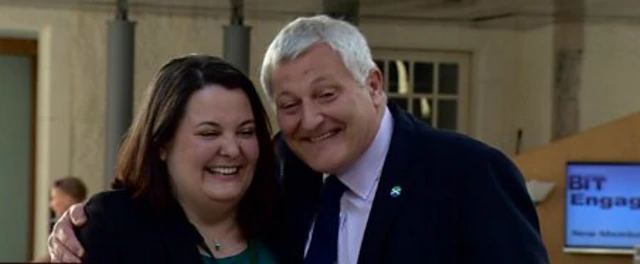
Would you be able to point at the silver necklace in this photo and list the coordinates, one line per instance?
(217, 246)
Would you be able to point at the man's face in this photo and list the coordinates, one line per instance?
(60, 201)
(327, 118)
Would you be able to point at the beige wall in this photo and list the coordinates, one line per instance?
(609, 83)
(532, 105)
(611, 73)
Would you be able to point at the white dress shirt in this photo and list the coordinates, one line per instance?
(361, 180)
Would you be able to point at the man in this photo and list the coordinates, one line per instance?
(65, 192)
(364, 181)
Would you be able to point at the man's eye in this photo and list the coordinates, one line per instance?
(327, 95)
(287, 106)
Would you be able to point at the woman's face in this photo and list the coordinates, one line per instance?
(60, 201)
(213, 155)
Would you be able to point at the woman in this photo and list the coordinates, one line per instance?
(195, 176)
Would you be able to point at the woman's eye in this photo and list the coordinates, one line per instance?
(209, 134)
(247, 132)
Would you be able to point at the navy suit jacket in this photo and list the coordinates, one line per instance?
(461, 202)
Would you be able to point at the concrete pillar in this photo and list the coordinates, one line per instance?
(568, 55)
(237, 38)
(120, 61)
(237, 44)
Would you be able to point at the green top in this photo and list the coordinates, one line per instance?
(255, 253)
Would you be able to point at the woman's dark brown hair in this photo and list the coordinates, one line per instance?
(139, 167)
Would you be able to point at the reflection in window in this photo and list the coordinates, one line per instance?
(423, 77)
(398, 77)
(447, 114)
(448, 78)
(403, 75)
(428, 89)
(422, 109)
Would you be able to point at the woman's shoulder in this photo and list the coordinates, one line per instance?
(110, 204)
(111, 196)
(116, 222)
(116, 214)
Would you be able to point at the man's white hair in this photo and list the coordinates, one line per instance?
(304, 32)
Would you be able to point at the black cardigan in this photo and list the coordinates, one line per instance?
(123, 229)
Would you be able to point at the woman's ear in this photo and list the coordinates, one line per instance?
(163, 153)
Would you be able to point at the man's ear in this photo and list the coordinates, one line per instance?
(375, 86)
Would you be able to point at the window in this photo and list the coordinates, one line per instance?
(433, 86)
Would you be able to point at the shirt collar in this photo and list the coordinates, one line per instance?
(361, 177)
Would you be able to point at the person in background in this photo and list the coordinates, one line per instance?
(65, 192)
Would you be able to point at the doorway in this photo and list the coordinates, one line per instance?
(18, 80)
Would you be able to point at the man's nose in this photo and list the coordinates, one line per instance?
(311, 117)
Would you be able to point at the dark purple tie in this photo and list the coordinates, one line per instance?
(324, 241)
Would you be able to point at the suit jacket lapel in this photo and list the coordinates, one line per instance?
(394, 177)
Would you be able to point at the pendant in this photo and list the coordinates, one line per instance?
(218, 246)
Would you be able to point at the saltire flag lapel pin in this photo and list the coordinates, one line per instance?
(396, 191)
